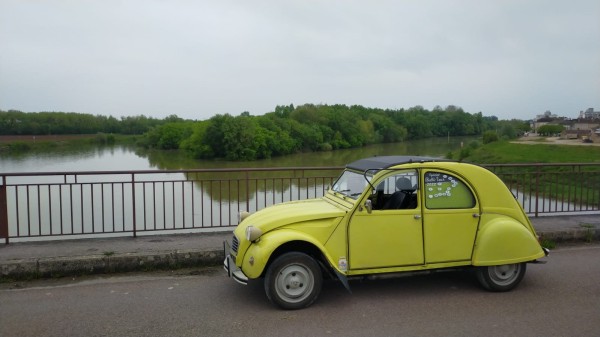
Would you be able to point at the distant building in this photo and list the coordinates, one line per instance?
(546, 115)
(589, 114)
(546, 118)
(587, 126)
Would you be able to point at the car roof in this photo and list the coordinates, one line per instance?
(383, 162)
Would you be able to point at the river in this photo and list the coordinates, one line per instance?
(123, 158)
(87, 204)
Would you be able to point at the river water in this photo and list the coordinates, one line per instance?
(77, 207)
(72, 204)
(122, 158)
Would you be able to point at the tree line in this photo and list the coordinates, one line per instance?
(311, 127)
(14, 122)
(286, 130)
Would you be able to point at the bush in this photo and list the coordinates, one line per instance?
(325, 147)
(464, 153)
(104, 139)
(474, 144)
(490, 136)
(19, 147)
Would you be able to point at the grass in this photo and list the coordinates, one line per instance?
(579, 184)
(548, 244)
(504, 152)
(21, 144)
(590, 229)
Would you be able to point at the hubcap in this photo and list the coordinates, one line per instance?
(505, 274)
(294, 283)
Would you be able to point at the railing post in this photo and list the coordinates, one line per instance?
(247, 192)
(537, 189)
(133, 208)
(3, 212)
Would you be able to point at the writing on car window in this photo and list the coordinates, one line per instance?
(443, 190)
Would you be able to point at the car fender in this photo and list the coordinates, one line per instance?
(504, 240)
(257, 256)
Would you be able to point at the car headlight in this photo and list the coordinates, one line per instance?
(253, 233)
(242, 215)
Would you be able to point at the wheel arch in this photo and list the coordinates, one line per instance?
(504, 240)
(273, 244)
(300, 246)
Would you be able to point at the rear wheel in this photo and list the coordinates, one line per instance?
(501, 278)
(293, 281)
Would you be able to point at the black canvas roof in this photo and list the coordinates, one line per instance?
(378, 163)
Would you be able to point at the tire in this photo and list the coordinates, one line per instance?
(293, 281)
(501, 278)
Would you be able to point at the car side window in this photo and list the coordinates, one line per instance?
(397, 191)
(443, 190)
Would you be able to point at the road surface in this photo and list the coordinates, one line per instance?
(560, 298)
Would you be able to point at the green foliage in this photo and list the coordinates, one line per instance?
(503, 152)
(548, 244)
(312, 127)
(474, 144)
(13, 122)
(18, 147)
(168, 136)
(508, 132)
(194, 143)
(104, 139)
(490, 136)
(286, 130)
(464, 153)
(232, 138)
(550, 129)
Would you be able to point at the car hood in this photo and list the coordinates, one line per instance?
(292, 212)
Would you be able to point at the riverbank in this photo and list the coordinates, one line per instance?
(530, 150)
(552, 140)
(18, 144)
(42, 138)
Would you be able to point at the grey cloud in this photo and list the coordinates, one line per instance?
(200, 58)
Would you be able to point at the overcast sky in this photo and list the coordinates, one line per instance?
(196, 59)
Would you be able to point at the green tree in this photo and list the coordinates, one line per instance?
(550, 129)
(194, 144)
(490, 136)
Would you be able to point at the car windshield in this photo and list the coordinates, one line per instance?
(350, 184)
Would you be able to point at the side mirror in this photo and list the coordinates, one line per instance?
(369, 206)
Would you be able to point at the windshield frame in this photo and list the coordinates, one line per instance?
(351, 184)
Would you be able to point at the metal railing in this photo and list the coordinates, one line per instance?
(554, 187)
(117, 203)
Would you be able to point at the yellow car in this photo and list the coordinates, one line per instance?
(386, 215)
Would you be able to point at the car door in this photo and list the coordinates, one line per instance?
(450, 217)
(387, 237)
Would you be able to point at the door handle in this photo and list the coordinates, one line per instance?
(417, 216)
(476, 215)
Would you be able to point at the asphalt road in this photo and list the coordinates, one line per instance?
(560, 298)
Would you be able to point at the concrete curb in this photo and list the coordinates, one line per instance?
(585, 235)
(99, 264)
(20, 269)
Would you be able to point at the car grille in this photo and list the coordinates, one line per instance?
(235, 243)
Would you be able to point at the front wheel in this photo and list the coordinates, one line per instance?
(501, 278)
(293, 281)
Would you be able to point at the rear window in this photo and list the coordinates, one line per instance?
(443, 190)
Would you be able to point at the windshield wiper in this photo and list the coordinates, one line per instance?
(342, 193)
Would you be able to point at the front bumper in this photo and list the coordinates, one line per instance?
(232, 270)
(546, 251)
